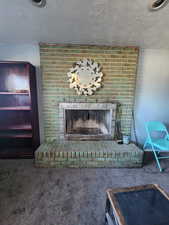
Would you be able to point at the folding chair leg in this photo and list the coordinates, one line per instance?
(145, 144)
(157, 160)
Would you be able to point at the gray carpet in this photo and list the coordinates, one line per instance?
(32, 196)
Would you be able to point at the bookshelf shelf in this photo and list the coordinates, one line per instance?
(10, 135)
(20, 108)
(16, 127)
(13, 93)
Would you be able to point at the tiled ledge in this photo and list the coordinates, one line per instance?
(88, 154)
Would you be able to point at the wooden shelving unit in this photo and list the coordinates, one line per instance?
(19, 127)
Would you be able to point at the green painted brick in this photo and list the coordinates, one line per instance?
(119, 65)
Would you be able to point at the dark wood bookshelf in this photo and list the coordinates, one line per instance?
(19, 127)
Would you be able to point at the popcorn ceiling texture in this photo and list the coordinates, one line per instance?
(119, 66)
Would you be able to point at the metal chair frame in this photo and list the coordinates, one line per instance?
(157, 145)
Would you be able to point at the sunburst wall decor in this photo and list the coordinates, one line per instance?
(85, 76)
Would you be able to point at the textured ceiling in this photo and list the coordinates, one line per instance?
(110, 22)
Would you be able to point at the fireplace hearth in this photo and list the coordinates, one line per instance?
(87, 121)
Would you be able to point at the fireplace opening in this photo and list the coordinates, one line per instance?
(87, 122)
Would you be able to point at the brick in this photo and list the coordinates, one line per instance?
(119, 66)
(48, 155)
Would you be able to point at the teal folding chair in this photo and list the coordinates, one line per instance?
(157, 144)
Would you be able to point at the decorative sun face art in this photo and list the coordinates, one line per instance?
(85, 77)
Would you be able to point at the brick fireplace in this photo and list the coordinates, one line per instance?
(79, 130)
(119, 66)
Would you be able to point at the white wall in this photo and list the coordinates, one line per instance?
(152, 89)
(23, 52)
(29, 53)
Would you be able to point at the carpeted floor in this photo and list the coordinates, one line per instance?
(32, 196)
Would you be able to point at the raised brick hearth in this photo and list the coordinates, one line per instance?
(88, 154)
